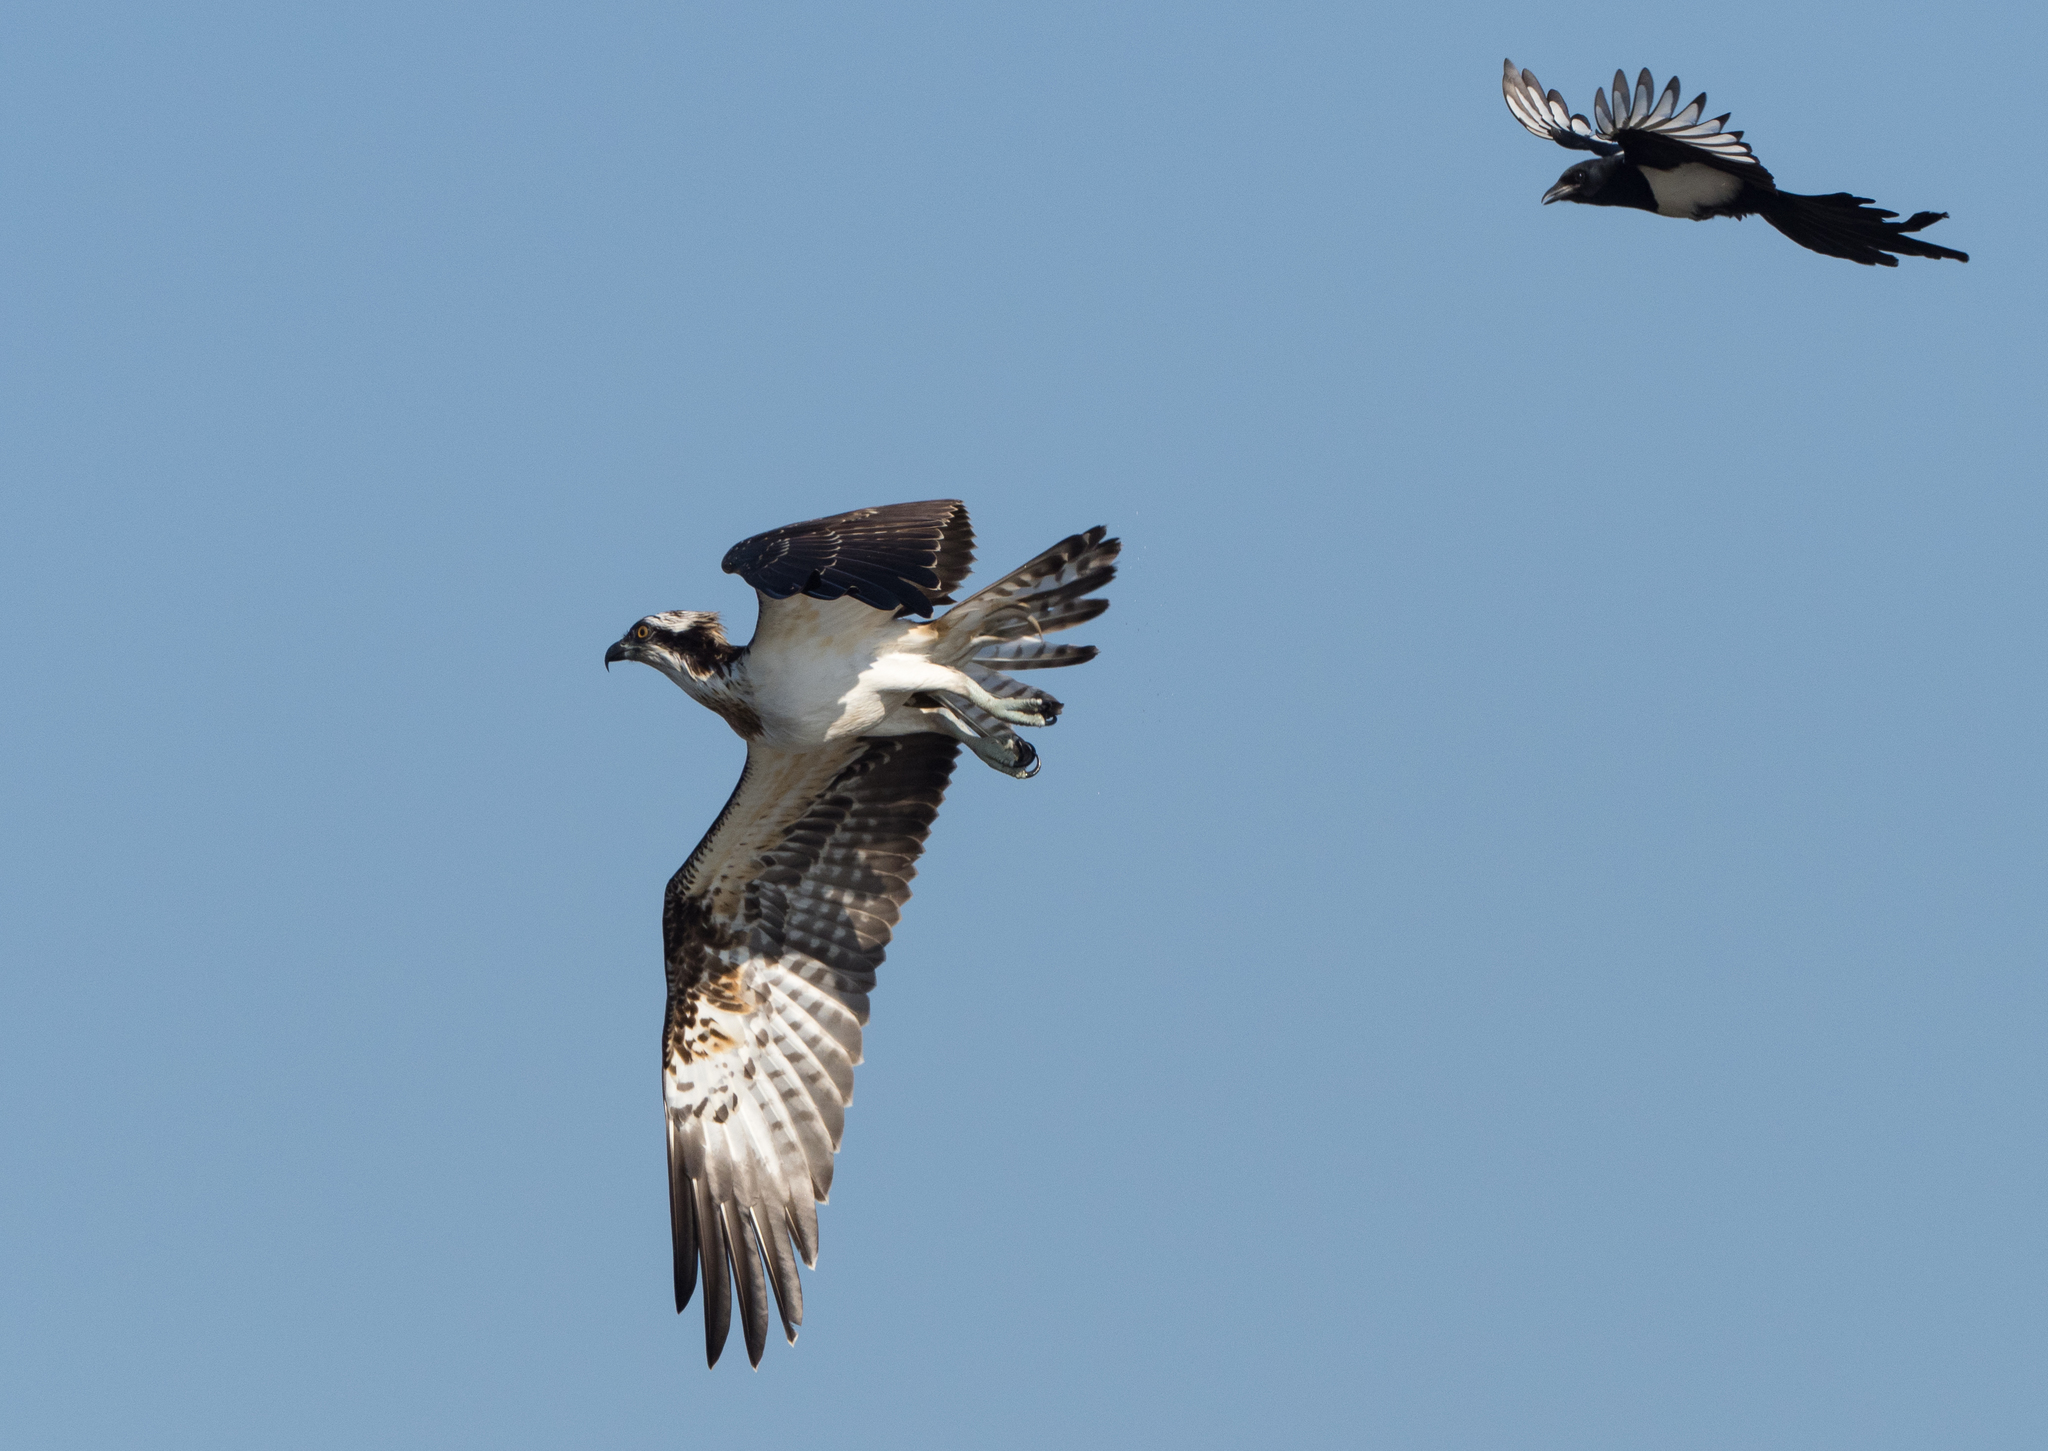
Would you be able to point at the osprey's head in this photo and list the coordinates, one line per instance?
(1584, 182)
(682, 644)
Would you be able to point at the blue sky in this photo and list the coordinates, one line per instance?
(1530, 934)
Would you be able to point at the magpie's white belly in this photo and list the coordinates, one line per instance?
(1691, 189)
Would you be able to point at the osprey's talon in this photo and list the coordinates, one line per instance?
(1027, 762)
(1032, 711)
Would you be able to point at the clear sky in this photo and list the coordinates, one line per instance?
(1530, 935)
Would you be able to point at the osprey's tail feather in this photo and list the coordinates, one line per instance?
(1840, 225)
(1003, 627)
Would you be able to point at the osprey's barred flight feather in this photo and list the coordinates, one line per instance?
(853, 712)
(1658, 158)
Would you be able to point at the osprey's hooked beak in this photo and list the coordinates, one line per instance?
(617, 652)
(1558, 193)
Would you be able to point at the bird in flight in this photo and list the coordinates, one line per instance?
(1653, 156)
(853, 710)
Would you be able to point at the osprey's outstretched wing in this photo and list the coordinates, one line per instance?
(1546, 114)
(772, 931)
(904, 558)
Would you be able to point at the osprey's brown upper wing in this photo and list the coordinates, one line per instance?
(904, 558)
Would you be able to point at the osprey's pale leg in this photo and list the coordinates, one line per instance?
(913, 674)
(1011, 756)
(1025, 710)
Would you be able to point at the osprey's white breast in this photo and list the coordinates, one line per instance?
(812, 669)
(1691, 190)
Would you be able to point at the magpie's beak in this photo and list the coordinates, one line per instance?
(1559, 192)
(617, 652)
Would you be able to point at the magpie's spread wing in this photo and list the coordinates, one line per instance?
(1546, 114)
(1652, 131)
(904, 558)
(772, 932)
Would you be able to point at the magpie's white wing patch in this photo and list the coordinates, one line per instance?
(1544, 113)
(1647, 112)
(772, 932)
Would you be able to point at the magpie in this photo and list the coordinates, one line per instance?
(1658, 158)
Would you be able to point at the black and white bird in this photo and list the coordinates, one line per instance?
(1658, 158)
(853, 709)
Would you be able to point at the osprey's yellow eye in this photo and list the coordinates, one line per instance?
(641, 632)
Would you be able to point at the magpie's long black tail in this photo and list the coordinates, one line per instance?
(1841, 225)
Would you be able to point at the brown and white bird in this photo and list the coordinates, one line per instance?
(853, 710)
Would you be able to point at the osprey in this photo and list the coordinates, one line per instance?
(1657, 158)
(853, 710)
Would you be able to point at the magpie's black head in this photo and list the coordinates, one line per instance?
(1581, 183)
(677, 643)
